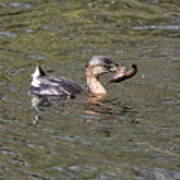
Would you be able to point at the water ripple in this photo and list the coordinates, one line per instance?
(36, 57)
(20, 5)
(8, 34)
(159, 27)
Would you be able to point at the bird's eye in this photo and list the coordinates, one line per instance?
(107, 66)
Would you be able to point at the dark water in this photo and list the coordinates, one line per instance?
(134, 134)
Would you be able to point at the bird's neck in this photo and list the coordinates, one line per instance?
(94, 84)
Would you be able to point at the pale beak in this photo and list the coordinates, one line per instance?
(113, 67)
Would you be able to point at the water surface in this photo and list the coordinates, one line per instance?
(134, 133)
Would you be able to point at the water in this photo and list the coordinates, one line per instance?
(134, 133)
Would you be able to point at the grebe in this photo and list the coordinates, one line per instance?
(44, 85)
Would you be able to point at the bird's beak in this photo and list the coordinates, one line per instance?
(113, 67)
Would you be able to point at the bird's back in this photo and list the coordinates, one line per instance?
(55, 86)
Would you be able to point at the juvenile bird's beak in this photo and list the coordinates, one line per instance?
(113, 67)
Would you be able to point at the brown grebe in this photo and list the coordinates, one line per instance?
(44, 85)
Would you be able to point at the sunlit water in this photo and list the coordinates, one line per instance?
(134, 133)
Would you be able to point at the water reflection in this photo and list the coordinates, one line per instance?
(92, 112)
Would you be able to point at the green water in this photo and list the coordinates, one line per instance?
(134, 133)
